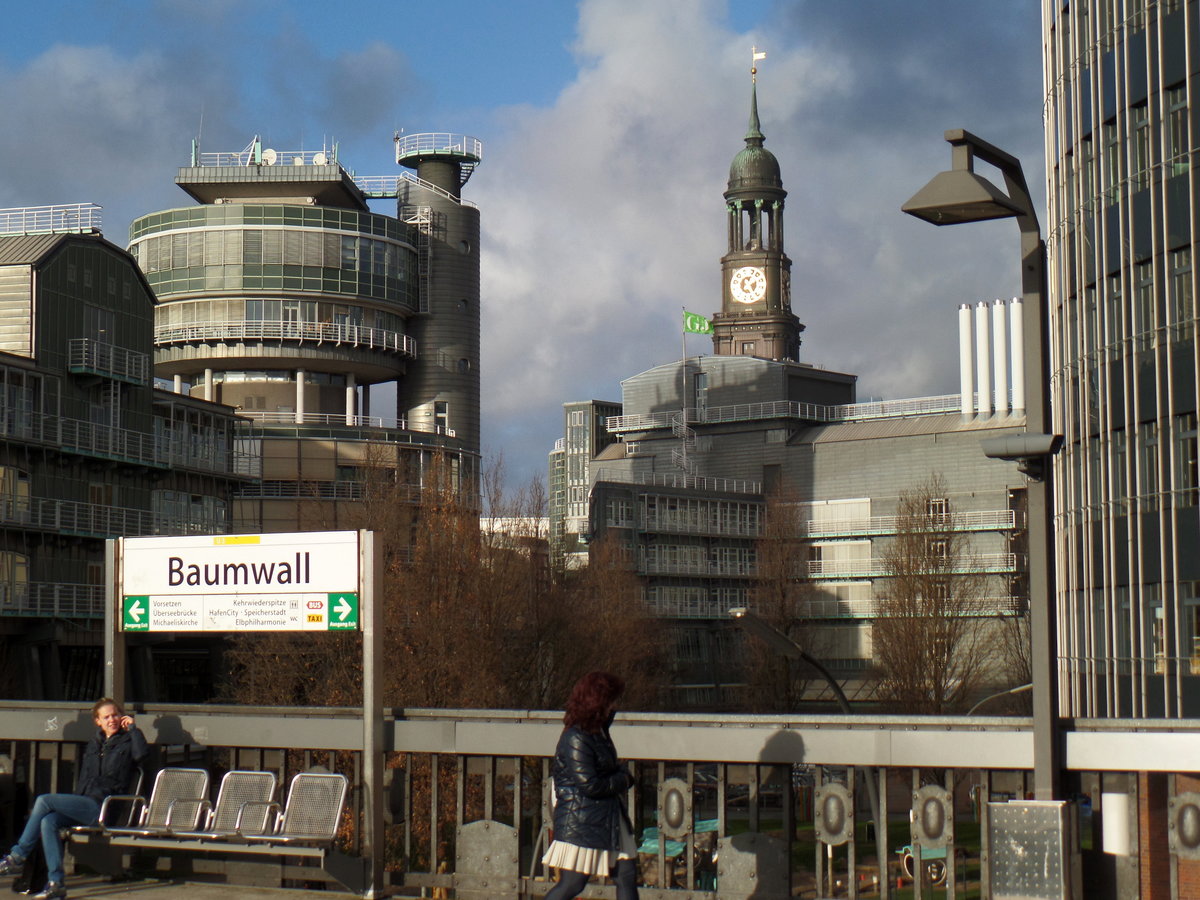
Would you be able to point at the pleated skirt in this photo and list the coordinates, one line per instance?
(561, 855)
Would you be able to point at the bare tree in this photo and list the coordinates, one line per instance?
(781, 595)
(928, 634)
(472, 617)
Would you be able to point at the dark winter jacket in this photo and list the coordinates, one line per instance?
(589, 786)
(108, 765)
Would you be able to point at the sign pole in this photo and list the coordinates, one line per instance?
(370, 572)
(114, 636)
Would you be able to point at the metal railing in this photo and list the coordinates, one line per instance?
(438, 142)
(111, 442)
(987, 520)
(692, 482)
(790, 409)
(386, 187)
(291, 418)
(66, 218)
(255, 155)
(992, 563)
(473, 781)
(315, 332)
(52, 600)
(96, 357)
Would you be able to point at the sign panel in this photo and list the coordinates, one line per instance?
(304, 581)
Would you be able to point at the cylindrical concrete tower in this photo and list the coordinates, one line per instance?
(441, 391)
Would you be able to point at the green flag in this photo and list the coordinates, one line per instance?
(694, 323)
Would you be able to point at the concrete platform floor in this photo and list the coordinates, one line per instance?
(94, 887)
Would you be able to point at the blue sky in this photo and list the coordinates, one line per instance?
(608, 128)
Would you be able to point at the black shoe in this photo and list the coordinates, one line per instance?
(10, 865)
(53, 890)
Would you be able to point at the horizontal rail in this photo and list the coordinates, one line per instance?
(315, 332)
(66, 218)
(971, 742)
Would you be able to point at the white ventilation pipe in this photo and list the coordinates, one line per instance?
(983, 358)
(1000, 356)
(299, 396)
(1016, 315)
(966, 361)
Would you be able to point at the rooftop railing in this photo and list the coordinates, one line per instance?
(289, 418)
(67, 218)
(671, 480)
(788, 409)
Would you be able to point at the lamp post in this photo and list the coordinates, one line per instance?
(960, 195)
(786, 647)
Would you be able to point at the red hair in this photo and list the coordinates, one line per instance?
(590, 699)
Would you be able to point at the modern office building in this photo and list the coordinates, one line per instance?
(283, 295)
(1121, 132)
(585, 435)
(89, 449)
(705, 445)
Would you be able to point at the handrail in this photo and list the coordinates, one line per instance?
(260, 329)
(792, 409)
(108, 359)
(291, 418)
(727, 485)
(387, 186)
(438, 142)
(63, 218)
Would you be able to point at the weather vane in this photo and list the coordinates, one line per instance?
(755, 56)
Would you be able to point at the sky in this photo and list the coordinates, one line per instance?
(608, 128)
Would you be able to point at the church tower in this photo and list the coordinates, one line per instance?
(756, 308)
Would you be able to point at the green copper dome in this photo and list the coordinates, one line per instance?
(755, 166)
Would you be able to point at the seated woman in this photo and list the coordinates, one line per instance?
(107, 767)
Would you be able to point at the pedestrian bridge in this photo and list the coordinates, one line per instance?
(725, 806)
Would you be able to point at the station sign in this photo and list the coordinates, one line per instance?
(306, 581)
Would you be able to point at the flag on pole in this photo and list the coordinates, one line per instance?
(758, 54)
(694, 323)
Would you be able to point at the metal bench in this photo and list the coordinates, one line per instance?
(177, 800)
(302, 830)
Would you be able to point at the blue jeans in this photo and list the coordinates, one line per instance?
(50, 813)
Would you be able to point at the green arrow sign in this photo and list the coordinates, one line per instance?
(136, 613)
(343, 611)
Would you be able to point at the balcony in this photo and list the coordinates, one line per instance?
(167, 450)
(358, 337)
(750, 787)
(89, 357)
(989, 563)
(988, 520)
(291, 418)
(75, 518)
(45, 600)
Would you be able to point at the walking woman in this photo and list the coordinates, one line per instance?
(592, 833)
(107, 767)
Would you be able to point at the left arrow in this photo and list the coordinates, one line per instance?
(135, 611)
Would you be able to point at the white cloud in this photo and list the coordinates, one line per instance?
(603, 213)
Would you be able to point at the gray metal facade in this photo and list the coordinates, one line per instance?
(1121, 132)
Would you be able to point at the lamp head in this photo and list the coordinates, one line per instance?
(959, 195)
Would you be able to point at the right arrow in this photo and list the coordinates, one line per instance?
(343, 609)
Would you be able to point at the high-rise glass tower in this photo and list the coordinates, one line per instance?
(1122, 206)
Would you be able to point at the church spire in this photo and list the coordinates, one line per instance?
(756, 316)
(754, 137)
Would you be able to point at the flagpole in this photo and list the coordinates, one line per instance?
(683, 384)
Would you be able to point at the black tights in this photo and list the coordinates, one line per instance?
(571, 883)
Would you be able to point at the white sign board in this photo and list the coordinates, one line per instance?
(306, 581)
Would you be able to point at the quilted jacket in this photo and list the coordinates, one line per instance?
(589, 786)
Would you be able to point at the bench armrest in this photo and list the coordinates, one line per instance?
(137, 806)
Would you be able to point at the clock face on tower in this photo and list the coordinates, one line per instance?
(748, 284)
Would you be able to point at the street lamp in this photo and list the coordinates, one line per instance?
(786, 647)
(960, 195)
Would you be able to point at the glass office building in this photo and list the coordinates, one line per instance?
(1122, 204)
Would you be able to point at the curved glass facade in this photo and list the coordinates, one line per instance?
(277, 248)
(1121, 194)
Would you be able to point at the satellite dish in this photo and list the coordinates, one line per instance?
(269, 157)
(297, 160)
(320, 159)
